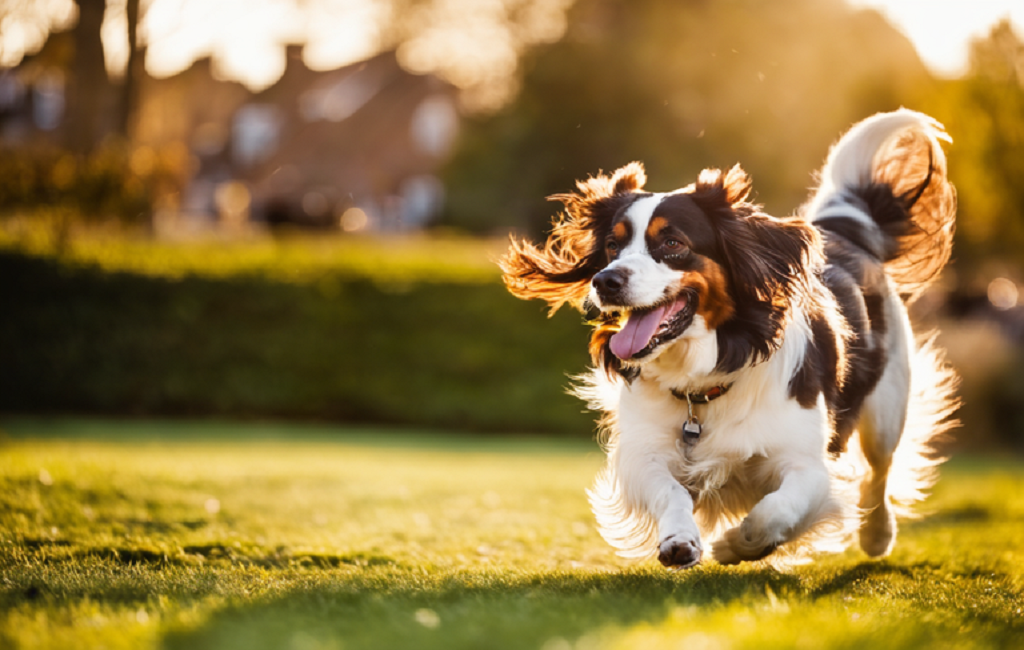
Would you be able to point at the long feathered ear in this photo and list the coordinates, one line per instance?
(768, 260)
(560, 271)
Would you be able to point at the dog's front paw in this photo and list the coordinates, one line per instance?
(680, 552)
(740, 544)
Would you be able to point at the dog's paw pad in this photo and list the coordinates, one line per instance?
(680, 553)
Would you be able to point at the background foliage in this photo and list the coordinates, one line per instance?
(416, 332)
(682, 86)
(688, 85)
(281, 338)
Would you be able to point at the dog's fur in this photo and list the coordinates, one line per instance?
(832, 408)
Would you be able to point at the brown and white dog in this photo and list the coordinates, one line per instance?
(762, 388)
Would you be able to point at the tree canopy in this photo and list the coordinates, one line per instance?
(681, 86)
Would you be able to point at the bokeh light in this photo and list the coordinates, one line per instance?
(354, 220)
(1003, 293)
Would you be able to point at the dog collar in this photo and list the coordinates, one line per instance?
(709, 395)
(692, 428)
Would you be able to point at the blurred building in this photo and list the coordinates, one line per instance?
(32, 96)
(356, 148)
(363, 141)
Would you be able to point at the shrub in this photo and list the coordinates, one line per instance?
(113, 183)
(75, 338)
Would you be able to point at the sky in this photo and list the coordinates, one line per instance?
(349, 30)
(942, 29)
(466, 41)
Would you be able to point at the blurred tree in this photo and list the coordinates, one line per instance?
(127, 96)
(681, 86)
(26, 24)
(92, 108)
(88, 87)
(984, 112)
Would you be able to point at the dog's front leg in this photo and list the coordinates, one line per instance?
(644, 464)
(678, 535)
(802, 500)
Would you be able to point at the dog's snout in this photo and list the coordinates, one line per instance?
(610, 283)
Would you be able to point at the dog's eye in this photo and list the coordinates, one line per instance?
(612, 246)
(673, 244)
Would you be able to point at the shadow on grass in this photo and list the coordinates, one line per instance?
(477, 610)
(379, 608)
(232, 599)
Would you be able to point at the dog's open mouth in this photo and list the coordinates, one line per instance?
(646, 329)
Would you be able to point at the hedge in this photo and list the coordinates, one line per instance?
(75, 338)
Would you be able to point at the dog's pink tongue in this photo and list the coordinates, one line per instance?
(636, 333)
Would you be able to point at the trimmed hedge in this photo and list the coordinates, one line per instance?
(75, 338)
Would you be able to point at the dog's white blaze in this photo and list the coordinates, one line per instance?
(639, 215)
(648, 279)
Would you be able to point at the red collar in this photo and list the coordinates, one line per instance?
(709, 395)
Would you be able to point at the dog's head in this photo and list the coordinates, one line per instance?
(652, 265)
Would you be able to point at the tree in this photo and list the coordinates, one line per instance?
(984, 113)
(127, 95)
(88, 86)
(681, 86)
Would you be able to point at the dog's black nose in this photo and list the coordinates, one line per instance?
(610, 283)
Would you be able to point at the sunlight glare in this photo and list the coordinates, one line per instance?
(473, 44)
(244, 37)
(24, 27)
(347, 31)
(115, 37)
(941, 30)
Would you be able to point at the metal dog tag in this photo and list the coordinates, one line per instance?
(691, 431)
(691, 428)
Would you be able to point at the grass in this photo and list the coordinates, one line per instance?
(194, 535)
(394, 262)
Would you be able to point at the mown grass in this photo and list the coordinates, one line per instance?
(390, 261)
(209, 535)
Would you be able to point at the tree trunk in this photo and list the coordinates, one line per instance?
(128, 96)
(88, 86)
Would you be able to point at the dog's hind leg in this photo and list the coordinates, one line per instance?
(881, 426)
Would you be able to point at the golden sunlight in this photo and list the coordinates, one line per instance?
(941, 30)
(470, 43)
(244, 37)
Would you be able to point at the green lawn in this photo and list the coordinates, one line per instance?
(212, 535)
(395, 262)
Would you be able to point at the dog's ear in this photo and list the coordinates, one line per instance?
(729, 188)
(767, 257)
(560, 271)
(768, 261)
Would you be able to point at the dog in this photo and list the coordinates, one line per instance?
(764, 395)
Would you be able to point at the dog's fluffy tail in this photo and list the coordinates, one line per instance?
(884, 187)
